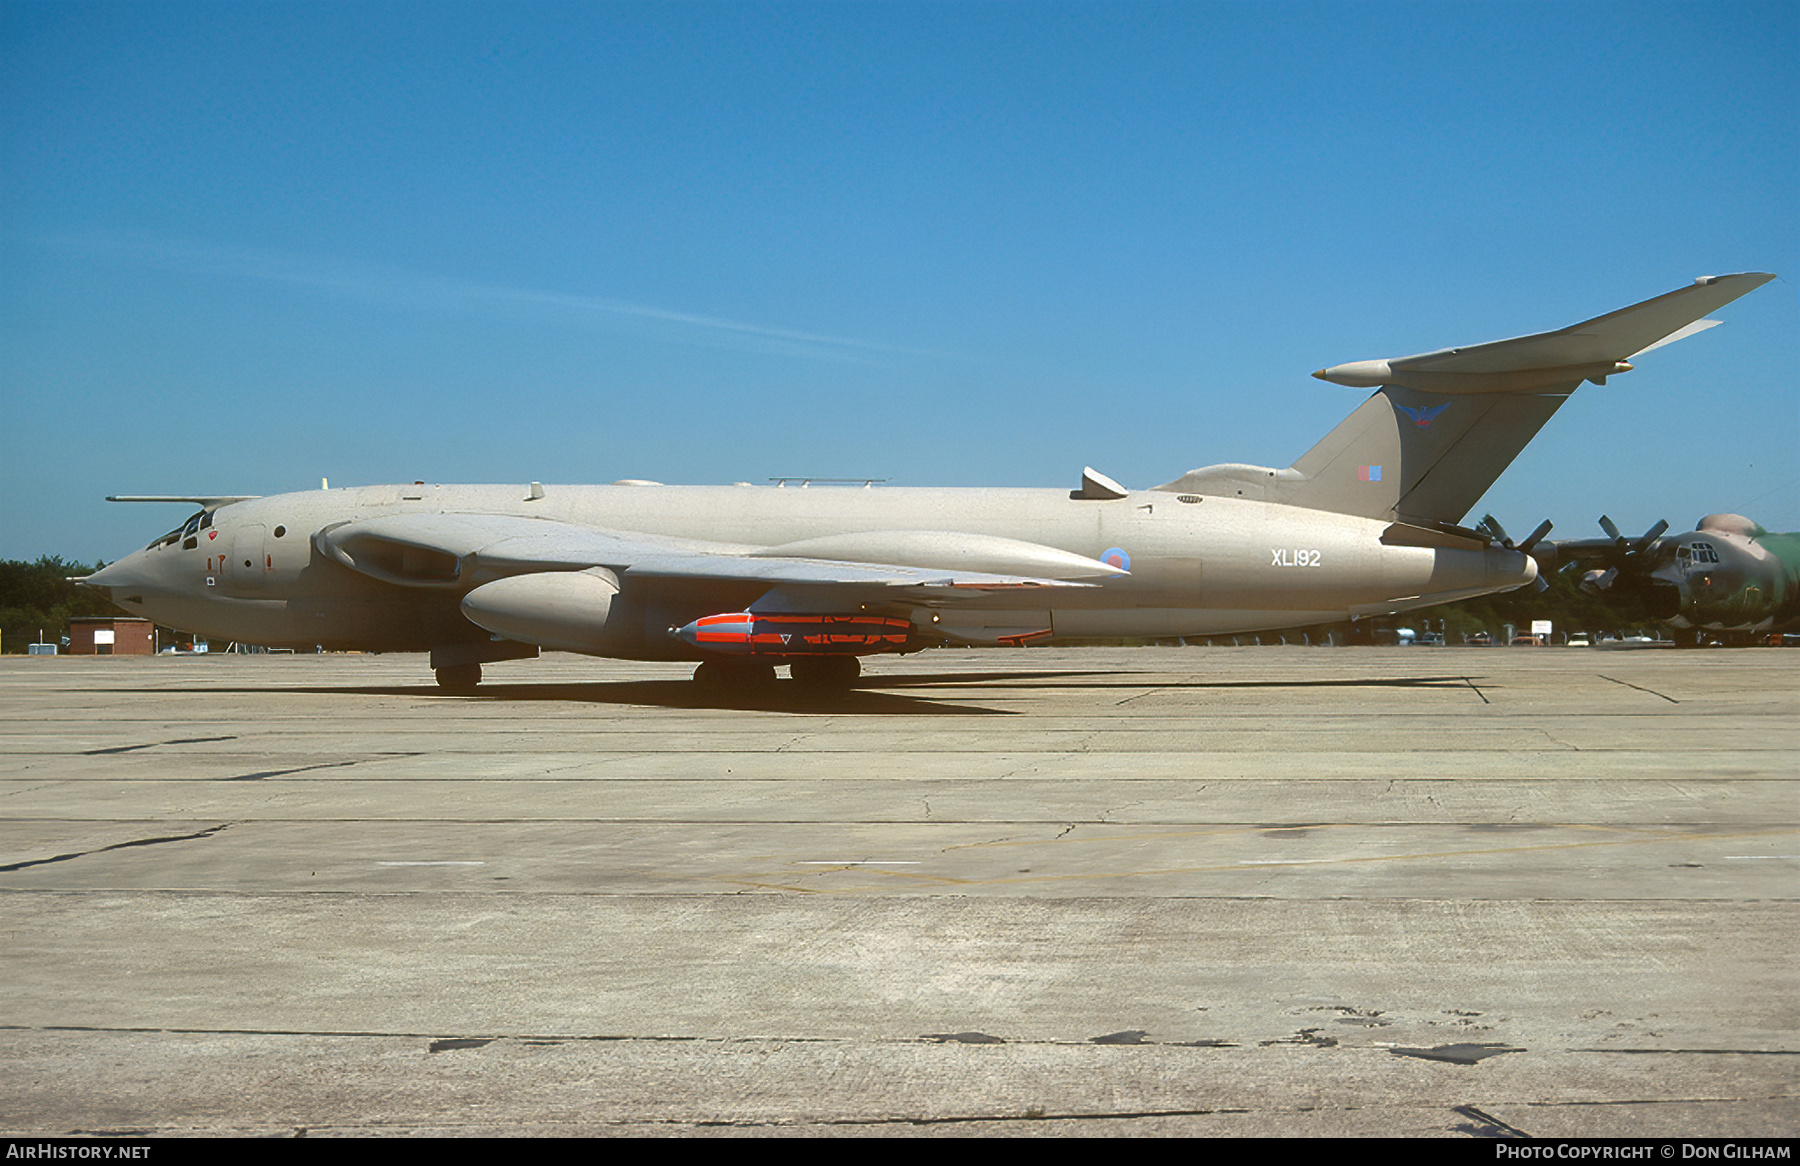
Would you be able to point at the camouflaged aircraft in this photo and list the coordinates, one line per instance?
(1727, 580)
(743, 578)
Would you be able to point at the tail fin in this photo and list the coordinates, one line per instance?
(1444, 425)
(1419, 457)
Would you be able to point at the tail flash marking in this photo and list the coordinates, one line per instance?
(1422, 416)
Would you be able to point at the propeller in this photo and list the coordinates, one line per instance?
(1650, 536)
(1643, 542)
(1491, 528)
(1595, 580)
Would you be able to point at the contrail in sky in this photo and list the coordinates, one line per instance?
(397, 283)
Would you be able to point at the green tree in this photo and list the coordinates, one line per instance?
(40, 597)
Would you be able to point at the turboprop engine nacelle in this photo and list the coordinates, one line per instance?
(747, 633)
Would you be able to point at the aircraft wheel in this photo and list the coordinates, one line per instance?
(826, 671)
(733, 674)
(460, 678)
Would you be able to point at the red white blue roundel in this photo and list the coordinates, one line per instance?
(1116, 557)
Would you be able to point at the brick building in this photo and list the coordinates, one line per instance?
(105, 635)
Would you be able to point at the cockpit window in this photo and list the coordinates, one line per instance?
(1697, 553)
(188, 530)
(191, 532)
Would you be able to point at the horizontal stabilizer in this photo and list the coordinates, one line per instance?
(1693, 329)
(1591, 350)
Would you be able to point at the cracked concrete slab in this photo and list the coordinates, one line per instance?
(1151, 891)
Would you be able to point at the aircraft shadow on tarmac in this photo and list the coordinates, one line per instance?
(1118, 679)
(868, 698)
(675, 694)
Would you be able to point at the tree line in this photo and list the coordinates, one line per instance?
(38, 597)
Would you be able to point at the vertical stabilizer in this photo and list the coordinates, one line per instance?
(1419, 457)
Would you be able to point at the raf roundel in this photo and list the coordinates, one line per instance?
(1116, 557)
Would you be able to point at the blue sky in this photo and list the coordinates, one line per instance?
(247, 246)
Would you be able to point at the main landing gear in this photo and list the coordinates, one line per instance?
(720, 675)
(459, 678)
(826, 671)
(815, 672)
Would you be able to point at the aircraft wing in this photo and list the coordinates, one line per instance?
(1565, 554)
(458, 550)
(778, 571)
(1569, 550)
(1615, 548)
(204, 501)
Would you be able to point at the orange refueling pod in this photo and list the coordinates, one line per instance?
(748, 633)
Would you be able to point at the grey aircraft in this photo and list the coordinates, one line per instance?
(745, 578)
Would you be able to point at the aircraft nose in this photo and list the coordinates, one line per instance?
(126, 573)
(1717, 587)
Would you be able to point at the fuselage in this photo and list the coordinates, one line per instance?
(254, 570)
